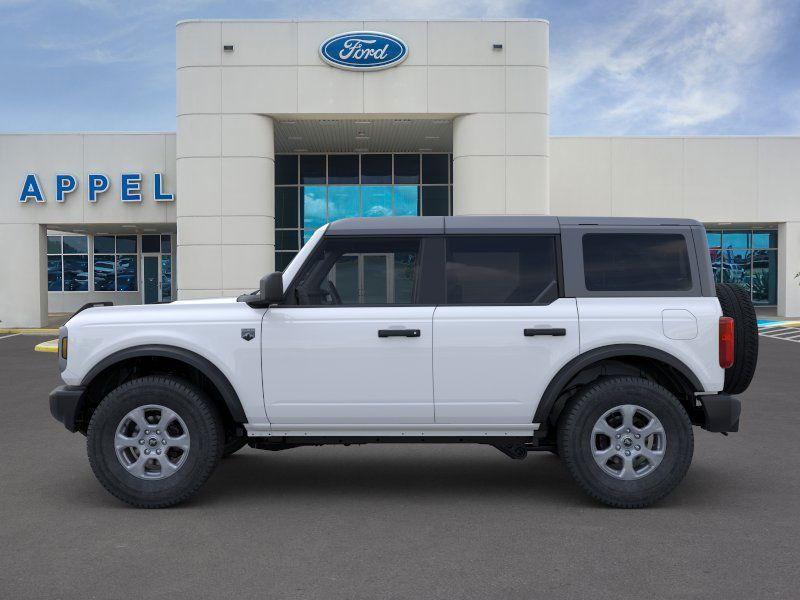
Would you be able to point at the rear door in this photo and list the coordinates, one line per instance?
(503, 331)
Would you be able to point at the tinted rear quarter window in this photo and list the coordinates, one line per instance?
(501, 270)
(636, 262)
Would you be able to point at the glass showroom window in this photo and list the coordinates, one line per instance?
(314, 189)
(748, 257)
(115, 263)
(67, 263)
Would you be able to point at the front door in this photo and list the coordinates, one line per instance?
(352, 345)
(503, 331)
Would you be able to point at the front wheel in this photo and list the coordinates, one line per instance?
(626, 441)
(153, 441)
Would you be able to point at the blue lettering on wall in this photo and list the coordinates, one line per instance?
(363, 51)
(31, 190)
(158, 195)
(65, 184)
(98, 183)
(131, 188)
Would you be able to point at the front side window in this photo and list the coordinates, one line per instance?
(361, 271)
(501, 270)
(636, 262)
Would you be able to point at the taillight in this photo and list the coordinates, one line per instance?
(725, 342)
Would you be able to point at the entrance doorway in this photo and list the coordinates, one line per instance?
(156, 269)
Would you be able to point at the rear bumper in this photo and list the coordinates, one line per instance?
(721, 412)
(66, 404)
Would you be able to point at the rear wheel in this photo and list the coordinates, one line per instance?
(153, 441)
(626, 441)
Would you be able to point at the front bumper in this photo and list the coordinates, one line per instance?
(721, 412)
(66, 405)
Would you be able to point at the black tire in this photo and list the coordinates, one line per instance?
(205, 434)
(735, 302)
(575, 435)
(233, 444)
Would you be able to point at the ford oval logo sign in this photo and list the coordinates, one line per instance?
(363, 51)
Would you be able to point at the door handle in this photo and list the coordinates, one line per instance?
(555, 331)
(399, 333)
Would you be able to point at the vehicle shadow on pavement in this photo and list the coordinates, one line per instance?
(424, 475)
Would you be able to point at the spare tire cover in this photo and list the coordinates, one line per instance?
(735, 302)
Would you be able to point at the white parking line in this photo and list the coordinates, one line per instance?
(775, 330)
(2, 337)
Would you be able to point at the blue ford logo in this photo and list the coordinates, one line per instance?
(363, 50)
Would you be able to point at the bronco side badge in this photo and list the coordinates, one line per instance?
(248, 334)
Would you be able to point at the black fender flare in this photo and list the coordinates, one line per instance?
(202, 364)
(587, 359)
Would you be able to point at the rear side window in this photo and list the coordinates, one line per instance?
(501, 270)
(636, 262)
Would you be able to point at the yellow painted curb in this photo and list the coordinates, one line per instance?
(48, 346)
(29, 331)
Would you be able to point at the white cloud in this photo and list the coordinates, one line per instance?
(409, 9)
(669, 69)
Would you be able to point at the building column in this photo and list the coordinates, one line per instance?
(226, 222)
(501, 164)
(23, 302)
(788, 265)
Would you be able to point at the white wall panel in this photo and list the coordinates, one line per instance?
(259, 90)
(199, 135)
(260, 43)
(527, 185)
(526, 134)
(199, 90)
(466, 89)
(327, 90)
(200, 182)
(403, 89)
(466, 42)
(247, 135)
(779, 179)
(198, 44)
(647, 177)
(580, 176)
(194, 231)
(527, 43)
(720, 179)
(526, 90)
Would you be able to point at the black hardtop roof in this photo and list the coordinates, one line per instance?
(488, 224)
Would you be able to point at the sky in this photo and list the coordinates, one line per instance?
(617, 67)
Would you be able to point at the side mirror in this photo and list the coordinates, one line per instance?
(271, 288)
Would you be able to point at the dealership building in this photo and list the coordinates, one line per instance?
(283, 126)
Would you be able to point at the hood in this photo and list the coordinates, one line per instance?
(206, 309)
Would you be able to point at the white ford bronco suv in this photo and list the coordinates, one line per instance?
(603, 340)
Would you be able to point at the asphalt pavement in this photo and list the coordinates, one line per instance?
(400, 521)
